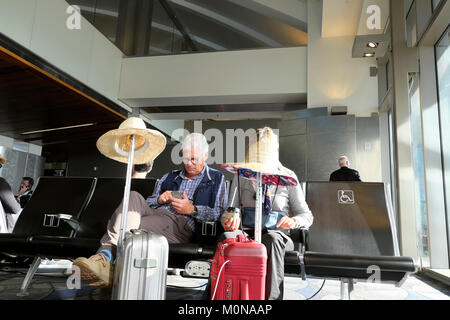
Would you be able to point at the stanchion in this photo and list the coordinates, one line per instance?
(258, 207)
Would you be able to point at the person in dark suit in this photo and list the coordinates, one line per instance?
(25, 191)
(345, 173)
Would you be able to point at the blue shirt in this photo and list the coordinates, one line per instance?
(205, 213)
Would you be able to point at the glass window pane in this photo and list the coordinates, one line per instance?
(435, 3)
(443, 71)
(411, 26)
(86, 7)
(165, 38)
(103, 14)
(106, 16)
(419, 170)
(393, 166)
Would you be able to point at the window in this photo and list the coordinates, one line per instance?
(411, 26)
(443, 75)
(392, 157)
(388, 75)
(103, 14)
(435, 4)
(158, 27)
(419, 170)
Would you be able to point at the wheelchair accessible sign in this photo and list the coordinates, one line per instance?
(346, 197)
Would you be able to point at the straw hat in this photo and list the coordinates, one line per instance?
(262, 156)
(115, 144)
(2, 160)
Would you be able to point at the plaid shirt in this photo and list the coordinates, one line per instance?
(189, 186)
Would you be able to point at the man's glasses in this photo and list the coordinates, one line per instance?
(192, 160)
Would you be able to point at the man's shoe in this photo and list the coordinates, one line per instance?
(97, 270)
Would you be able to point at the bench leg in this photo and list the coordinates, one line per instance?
(29, 277)
(349, 289)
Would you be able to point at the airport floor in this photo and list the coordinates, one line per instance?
(50, 284)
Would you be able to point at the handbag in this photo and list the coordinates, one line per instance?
(269, 221)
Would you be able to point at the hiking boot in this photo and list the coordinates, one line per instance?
(97, 270)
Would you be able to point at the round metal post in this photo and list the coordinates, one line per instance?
(126, 196)
(258, 207)
(123, 223)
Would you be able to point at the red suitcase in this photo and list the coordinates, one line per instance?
(238, 270)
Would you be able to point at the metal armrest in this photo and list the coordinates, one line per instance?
(70, 220)
(300, 236)
(206, 232)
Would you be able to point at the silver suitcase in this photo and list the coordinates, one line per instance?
(141, 270)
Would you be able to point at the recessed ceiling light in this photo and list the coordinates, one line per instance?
(369, 55)
(373, 45)
(60, 128)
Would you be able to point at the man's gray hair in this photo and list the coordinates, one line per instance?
(343, 160)
(195, 141)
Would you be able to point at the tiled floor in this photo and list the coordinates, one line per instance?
(55, 288)
(414, 288)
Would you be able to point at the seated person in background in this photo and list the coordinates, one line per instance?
(345, 173)
(204, 197)
(25, 191)
(10, 206)
(286, 201)
(140, 171)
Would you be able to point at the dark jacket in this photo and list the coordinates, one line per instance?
(206, 192)
(345, 174)
(23, 200)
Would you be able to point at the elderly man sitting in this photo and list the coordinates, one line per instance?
(203, 197)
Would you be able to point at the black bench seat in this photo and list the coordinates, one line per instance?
(317, 252)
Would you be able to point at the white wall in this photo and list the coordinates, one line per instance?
(245, 76)
(334, 77)
(85, 54)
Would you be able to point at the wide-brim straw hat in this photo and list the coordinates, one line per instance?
(2, 160)
(115, 144)
(262, 156)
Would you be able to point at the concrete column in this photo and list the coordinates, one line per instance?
(404, 60)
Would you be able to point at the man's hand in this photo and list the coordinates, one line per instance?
(165, 198)
(182, 206)
(286, 223)
(22, 190)
(231, 224)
